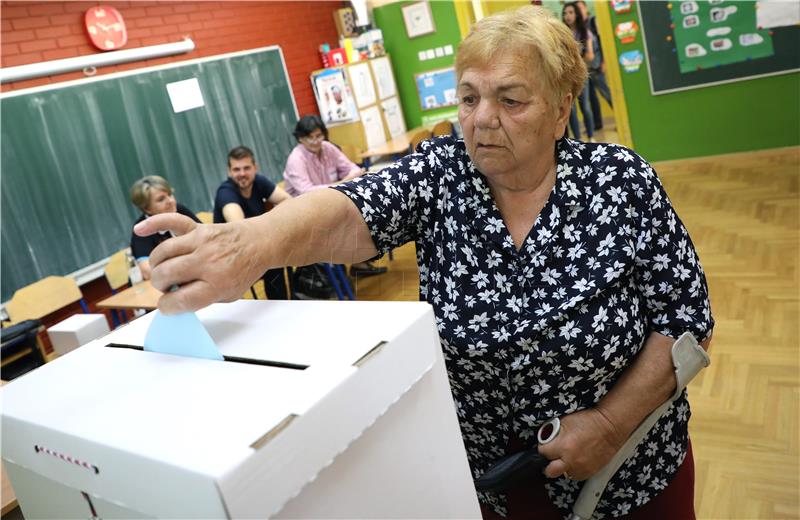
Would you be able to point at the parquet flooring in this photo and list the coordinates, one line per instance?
(743, 213)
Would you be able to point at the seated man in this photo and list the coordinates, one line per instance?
(315, 163)
(244, 194)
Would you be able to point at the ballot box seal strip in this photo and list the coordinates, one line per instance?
(230, 359)
(369, 355)
(38, 448)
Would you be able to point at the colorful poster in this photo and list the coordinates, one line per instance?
(631, 61)
(713, 33)
(334, 99)
(626, 31)
(437, 88)
(621, 6)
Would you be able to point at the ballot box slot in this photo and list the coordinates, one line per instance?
(231, 359)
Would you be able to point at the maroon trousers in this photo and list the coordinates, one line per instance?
(528, 500)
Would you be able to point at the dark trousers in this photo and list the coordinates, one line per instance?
(597, 83)
(588, 120)
(529, 501)
(275, 284)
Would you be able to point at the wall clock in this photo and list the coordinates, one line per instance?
(106, 28)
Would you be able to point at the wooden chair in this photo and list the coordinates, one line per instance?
(37, 300)
(443, 128)
(418, 138)
(116, 272)
(34, 302)
(206, 217)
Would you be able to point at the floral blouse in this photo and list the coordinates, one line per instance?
(547, 330)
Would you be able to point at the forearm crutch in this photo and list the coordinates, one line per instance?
(689, 359)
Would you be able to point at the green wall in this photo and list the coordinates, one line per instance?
(746, 115)
(404, 53)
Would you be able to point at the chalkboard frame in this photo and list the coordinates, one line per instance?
(30, 251)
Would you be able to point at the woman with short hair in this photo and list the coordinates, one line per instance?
(153, 195)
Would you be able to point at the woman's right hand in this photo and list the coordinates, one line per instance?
(209, 263)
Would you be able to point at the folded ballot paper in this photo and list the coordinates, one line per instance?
(180, 335)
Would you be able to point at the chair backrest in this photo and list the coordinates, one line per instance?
(443, 128)
(37, 300)
(206, 217)
(418, 138)
(116, 270)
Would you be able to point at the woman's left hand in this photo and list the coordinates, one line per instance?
(586, 442)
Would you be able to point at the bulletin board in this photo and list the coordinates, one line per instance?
(436, 88)
(693, 44)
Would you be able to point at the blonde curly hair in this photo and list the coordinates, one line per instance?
(533, 32)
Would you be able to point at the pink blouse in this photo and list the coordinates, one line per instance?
(305, 171)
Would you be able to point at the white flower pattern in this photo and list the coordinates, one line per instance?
(547, 330)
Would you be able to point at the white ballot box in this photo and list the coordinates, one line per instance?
(320, 410)
(77, 330)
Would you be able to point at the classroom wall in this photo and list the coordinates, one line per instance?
(751, 114)
(40, 31)
(404, 52)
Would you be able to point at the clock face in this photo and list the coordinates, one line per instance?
(106, 28)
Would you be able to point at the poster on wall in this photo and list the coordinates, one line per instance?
(437, 88)
(394, 117)
(697, 43)
(710, 34)
(418, 19)
(361, 79)
(384, 78)
(373, 126)
(334, 99)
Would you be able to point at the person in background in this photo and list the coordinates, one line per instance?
(314, 164)
(153, 195)
(571, 16)
(245, 194)
(597, 69)
(558, 271)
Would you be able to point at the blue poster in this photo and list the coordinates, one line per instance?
(437, 88)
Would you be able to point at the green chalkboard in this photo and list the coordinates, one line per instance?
(695, 43)
(71, 151)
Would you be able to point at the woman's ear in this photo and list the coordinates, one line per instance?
(562, 116)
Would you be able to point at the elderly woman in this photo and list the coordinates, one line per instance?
(153, 195)
(558, 272)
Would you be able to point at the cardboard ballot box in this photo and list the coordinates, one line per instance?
(321, 410)
(76, 330)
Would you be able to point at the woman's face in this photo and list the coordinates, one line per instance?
(569, 15)
(313, 141)
(161, 202)
(508, 126)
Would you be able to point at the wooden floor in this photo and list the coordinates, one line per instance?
(743, 214)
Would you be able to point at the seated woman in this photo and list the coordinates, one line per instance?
(153, 195)
(316, 163)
